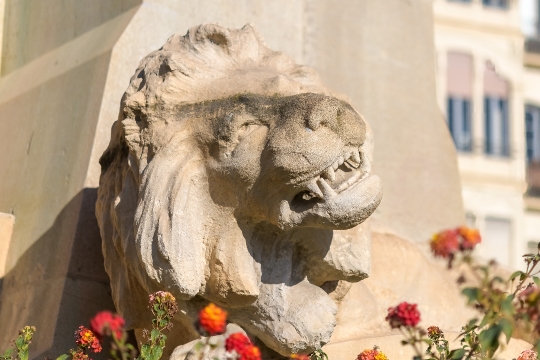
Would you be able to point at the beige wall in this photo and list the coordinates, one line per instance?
(66, 64)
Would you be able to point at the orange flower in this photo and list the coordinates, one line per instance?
(213, 319)
(372, 354)
(300, 356)
(471, 237)
(250, 352)
(86, 339)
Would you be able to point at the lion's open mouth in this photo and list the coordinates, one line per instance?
(344, 172)
(341, 196)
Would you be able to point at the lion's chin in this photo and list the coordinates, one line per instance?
(289, 319)
(337, 209)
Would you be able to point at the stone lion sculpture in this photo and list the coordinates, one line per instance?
(235, 176)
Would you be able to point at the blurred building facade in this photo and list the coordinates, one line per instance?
(488, 85)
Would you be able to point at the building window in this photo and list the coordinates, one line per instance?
(532, 133)
(459, 95)
(496, 240)
(470, 219)
(501, 4)
(459, 122)
(496, 121)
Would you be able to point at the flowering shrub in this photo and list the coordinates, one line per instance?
(502, 307)
(372, 354)
(21, 345)
(448, 243)
(85, 339)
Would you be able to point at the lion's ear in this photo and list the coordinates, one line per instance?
(171, 216)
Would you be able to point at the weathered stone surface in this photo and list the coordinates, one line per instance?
(59, 93)
(234, 176)
(7, 221)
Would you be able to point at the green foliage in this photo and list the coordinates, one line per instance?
(318, 355)
(21, 345)
(501, 311)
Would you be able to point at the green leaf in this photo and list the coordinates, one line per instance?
(23, 354)
(145, 352)
(537, 346)
(157, 351)
(7, 353)
(154, 334)
(507, 328)
(489, 339)
(62, 357)
(456, 354)
(507, 307)
(198, 346)
(536, 280)
(472, 293)
(516, 274)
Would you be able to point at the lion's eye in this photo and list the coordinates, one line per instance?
(247, 129)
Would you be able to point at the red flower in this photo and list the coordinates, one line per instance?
(237, 342)
(250, 352)
(213, 319)
(470, 237)
(445, 243)
(86, 339)
(404, 314)
(106, 323)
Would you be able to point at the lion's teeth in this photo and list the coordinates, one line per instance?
(326, 189)
(366, 165)
(356, 156)
(353, 164)
(329, 173)
(335, 165)
(314, 188)
(341, 160)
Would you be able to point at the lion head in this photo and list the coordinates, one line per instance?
(234, 176)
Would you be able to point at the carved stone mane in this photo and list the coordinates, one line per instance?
(234, 176)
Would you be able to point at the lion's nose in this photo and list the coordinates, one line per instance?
(323, 113)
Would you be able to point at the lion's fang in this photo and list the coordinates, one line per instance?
(329, 173)
(326, 189)
(356, 156)
(314, 188)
